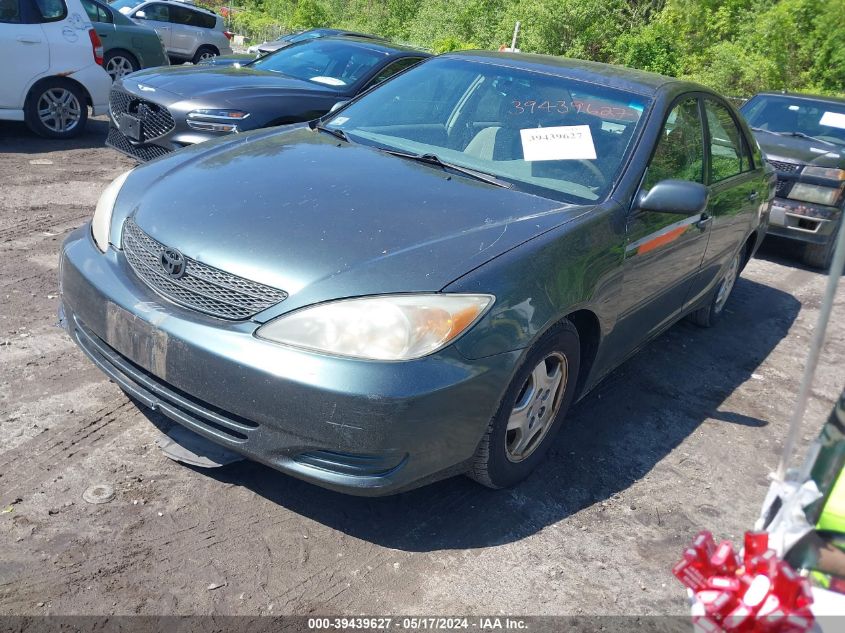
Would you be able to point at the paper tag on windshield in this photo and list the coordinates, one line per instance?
(833, 119)
(565, 142)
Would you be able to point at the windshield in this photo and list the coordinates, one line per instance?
(124, 5)
(820, 119)
(332, 63)
(543, 134)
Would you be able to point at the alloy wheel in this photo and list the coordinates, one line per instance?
(59, 110)
(536, 407)
(118, 66)
(205, 56)
(727, 284)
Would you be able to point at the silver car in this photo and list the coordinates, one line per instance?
(190, 33)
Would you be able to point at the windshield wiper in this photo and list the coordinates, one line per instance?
(433, 159)
(812, 138)
(336, 132)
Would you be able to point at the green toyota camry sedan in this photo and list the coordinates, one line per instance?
(420, 283)
(127, 46)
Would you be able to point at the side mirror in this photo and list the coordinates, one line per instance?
(674, 196)
(338, 105)
(140, 15)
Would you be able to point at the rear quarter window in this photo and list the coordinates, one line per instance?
(202, 20)
(51, 10)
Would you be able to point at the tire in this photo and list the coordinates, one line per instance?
(709, 315)
(119, 63)
(819, 255)
(203, 53)
(56, 108)
(498, 460)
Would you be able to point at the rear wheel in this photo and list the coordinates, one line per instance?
(531, 412)
(56, 108)
(204, 53)
(710, 314)
(119, 63)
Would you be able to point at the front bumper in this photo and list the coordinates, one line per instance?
(803, 221)
(360, 427)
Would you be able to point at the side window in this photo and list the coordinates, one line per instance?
(51, 10)
(728, 153)
(203, 20)
(157, 12)
(396, 67)
(680, 151)
(10, 11)
(97, 13)
(105, 16)
(180, 15)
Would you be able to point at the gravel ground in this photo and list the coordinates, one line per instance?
(681, 437)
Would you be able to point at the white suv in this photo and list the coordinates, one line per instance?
(52, 66)
(189, 33)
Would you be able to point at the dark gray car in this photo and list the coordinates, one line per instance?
(421, 283)
(155, 112)
(803, 137)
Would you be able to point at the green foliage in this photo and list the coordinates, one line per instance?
(735, 46)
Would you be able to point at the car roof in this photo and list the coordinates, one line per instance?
(802, 95)
(372, 44)
(179, 3)
(619, 77)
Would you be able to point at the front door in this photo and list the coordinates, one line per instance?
(24, 43)
(664, 251)
(157, 16)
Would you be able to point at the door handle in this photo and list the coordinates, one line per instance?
(28, 39)
(753, 195)
(704, 222)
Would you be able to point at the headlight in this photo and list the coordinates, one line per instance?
(216, 120)
(388, 327)
(101, 222)
(814, 193)
(825, 172)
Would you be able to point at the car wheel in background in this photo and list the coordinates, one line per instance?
(531, 411)
(56, 108)
(204, 53)
(119, 63)
(710, 314)
(820, 255)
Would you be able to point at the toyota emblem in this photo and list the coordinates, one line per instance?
(173, 262)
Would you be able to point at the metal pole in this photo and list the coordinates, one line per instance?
(813, 358)
(515, 33)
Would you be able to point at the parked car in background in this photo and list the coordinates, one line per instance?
(422, 282)
(52, 66)
(127, 46)
(803, 137)
(154, 112)
(189, 33)
(301, 36)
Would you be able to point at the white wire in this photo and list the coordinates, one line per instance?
(815, 350)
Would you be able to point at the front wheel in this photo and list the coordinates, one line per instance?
(56, 108)
(531, 412)
(119, 64)
(710, 314)
(204, 53)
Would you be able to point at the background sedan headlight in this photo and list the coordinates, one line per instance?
(814, 193)
(101, 222)
(388, 327)
(824, 172)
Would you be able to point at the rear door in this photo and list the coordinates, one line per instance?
(185, 32)
(737, 187)
(21, 40)
(664, 251)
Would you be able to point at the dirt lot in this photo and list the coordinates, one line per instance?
(680, 438)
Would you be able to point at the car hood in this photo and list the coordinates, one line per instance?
(796, 149)
(322, 219)
(199, 82)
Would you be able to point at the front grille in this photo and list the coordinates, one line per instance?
(782, 187)
(156, 120)
(789, 168)
(201, 287)
(144, 153)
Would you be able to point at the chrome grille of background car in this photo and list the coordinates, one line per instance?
(202, 287)
(789, 168)
(157, 120)
(782, 187)
(117, 140)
